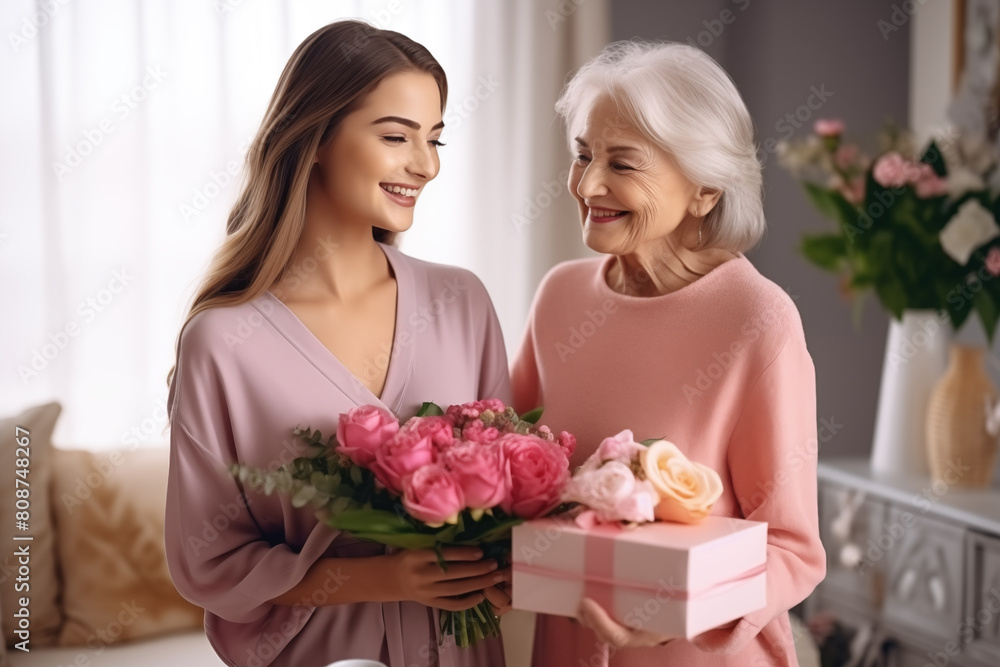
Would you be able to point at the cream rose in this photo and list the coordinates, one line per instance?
(687, 489)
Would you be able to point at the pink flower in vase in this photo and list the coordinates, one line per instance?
(845, 156)
(829, 127)
(362, 431)
(891, 170)
(993, 261)
(929, 184)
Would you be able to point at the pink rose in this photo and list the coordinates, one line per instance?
(477, 471)
(536, 472)
(432, 495)
(620, 447)
(829, 127)
(891, 170)
(477, 431)
(405, 453)
(640, 504)
(993, 261)
(439, 429)
(613, 493)
(362, 431)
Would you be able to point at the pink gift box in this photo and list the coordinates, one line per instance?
(669, 578)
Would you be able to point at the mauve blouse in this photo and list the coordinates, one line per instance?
(246, 376)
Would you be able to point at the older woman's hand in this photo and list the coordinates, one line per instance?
(593, 616)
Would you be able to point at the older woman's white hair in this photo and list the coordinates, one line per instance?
(684, 102)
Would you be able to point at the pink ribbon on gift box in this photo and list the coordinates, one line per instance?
(599, 565)
(598, 572)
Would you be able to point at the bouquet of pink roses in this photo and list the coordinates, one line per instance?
(464, 476)
(637, 482)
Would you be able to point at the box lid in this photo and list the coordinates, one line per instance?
(678, 557)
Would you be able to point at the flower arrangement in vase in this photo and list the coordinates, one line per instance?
(917, 228)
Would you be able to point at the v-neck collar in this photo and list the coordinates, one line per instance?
(399, 358)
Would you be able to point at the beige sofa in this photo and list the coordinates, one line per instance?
(100, 593)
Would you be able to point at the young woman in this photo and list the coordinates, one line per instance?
(307, 311)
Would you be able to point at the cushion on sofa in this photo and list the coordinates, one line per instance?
(43, 592)
(109, 510)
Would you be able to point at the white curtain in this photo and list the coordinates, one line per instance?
(123, 131)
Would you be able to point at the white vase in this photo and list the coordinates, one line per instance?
(916, 355)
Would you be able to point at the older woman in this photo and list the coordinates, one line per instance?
(673, 333)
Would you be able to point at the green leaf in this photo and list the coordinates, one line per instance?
(847, 213)
(827, 251)
(370, 521)
(429, 409)
(932, 156)
(649, 442)
(400, 540)
(892, 295)
(532, 416)
(958, 316)
(356, 475)
(450, 532)
(822, 199)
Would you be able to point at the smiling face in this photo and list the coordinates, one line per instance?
(371, 172)
(629, 191)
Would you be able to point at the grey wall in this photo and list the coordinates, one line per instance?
(778, 52)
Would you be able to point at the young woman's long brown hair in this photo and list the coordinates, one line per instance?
(327, 77)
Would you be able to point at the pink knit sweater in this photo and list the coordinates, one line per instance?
(720, 368)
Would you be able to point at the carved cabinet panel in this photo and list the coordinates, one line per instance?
(850, 522)
(924, 574)
(917, 582)
(980, 625)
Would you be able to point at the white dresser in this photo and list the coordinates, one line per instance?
(916, 561)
